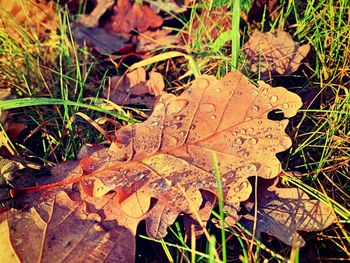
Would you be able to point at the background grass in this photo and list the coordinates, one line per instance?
(68, 81)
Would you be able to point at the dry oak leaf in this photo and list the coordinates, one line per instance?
(133, 88)
(68, 226)
(274, 53)
(281, 212)
(166, 159)
(128, 17)
(170, 153)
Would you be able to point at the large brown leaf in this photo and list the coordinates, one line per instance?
(166, 159)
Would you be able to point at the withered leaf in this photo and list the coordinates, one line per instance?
(133, 88)
(68, 225)
(128, 17)
(274, 53)
(281, 212)
(172, 149)
(98, 38)
(168, 159)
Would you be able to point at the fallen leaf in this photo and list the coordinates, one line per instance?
(151, 40)
(173, 148)
(91, 20)
(274, 53)
(128, 17)
(281, 212)
(99, 39)
(135, 89)
(156, 170)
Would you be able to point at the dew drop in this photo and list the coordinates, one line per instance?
(152, 185)
(255, 108)
(285, 105)
(155, 123)
(206, 108)
(176, 126)
(245, 154)
(170, 140)
(273, 99)
(139, 176)
(98, 227)
(178, 117)
(99, 189)
(250, 130)
(236, 189)
(255, 93)
(248, 119)
(252, 168)
(265, 90)
(243, 131)
(260, 122)
(234, 133)
(176, 106)
(238, 141)
(203, 83)
(199, 184)
(192, 127)
(269, 136)
(269, 106)
(285, 142)
(218, 90)
(212, 117)
(182, 133)
(252, 141)
(164, 184)
(243, 185)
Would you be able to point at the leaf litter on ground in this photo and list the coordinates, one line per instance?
(167, 158)
(274, 53)
(130, 25)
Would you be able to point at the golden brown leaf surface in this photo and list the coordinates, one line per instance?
(167, 159)
(283, 211)
(274, 53)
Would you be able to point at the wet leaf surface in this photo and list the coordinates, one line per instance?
(168, 159)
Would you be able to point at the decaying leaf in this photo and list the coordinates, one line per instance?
(135, 89)
(99, 39)
(128, 17)
(274, 53)
(91, 20)
(151, 40)
(284, 211)
(68, 225)
(160, 168)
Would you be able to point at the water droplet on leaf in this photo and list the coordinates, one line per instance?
(176, 106)
(206, 108)
(273, 99)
